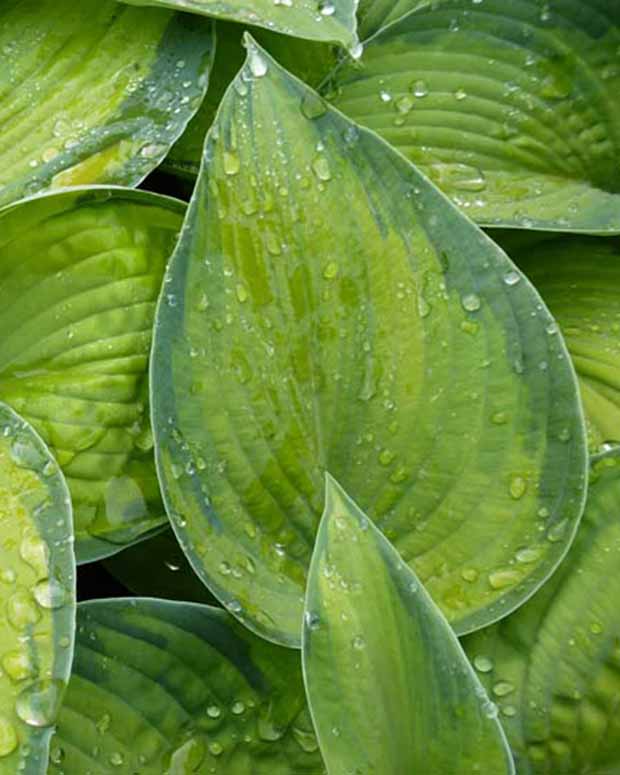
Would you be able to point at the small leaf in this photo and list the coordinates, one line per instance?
(80, 272)
(37, 595)
(333, 311)
(579, 278)
(161, 688)
(508, 107)
(389, 687)
(553, 665)
(94, 92)
(326, 20)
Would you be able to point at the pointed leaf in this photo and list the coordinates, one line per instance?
(579, 278)
(510, 108)
(37, 594)
(326, 20)
(95, 92)
(553, 665)
(79, 275)
(327, 307)
(165, 688)
(389, 687)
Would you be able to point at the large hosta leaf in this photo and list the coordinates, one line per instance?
(327, 20)
(79, 275)
(509, 107)
(579, 278)
(328, 309)
(390, 689)
(554, 665)
(93, 92)
(37, 594)
(177, 688)
(309, 61)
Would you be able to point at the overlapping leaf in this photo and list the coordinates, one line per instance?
(509, 107)
(553, 666)
(37, 594)
(327, 20)
(80, 272)
(94, 92)
(389, 687)
(579, 278)
(328, 309)
(161, 687)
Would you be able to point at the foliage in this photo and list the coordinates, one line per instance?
(310, 357)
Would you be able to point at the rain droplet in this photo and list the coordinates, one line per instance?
(500, 579)
(257, 63)
(512, 278)
(320, 167)
(38, 705)
(330, 271)
(232, 165)
(483, 664)
(50, 593)
(8, 737)
(471, 302)
(518, 487)
(503, 688)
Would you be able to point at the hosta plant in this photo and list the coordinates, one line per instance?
(309, 387)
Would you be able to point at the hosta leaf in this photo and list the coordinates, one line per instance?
(158, 568)
(328, 309)
(509, 107)
(37, 594)
(178, 688)
(94, 92)
(373, 15)
(579, 278)
(79, 275)
(553, 666)
(327, 20)
(309, 61)
(388, 685)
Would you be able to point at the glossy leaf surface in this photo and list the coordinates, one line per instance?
(327, 20)
(80, 272)
(509, 107)
(94, 92)
(328, 309)
(37, 594)
(388, 685)
(554, 665)
(579, 278)
(165, 688)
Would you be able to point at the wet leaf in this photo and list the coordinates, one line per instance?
(37, 594)
(80, 272)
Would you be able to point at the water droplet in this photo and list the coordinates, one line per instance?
(232, 164)
(386, 456)
(483, 664)
(471, 302)
(21, 610)
(499, 418)
(312, 621)
(500, 579)
(213, 711)
(509, 710)
(460, 94)
(35, 552)
(528, 555)
(257, 63)
(215, 748)
(306, 740)
(38, 705)
(596, 628)
(330, 270)
(8, 737)
(385, 96)
(327, 8)
(313, 106)
(18, 665)
(469, 574)
(404, 104)
(50, 593)
(242, 293)
(518, 487)
(512, 278)
(238, 708)
(117, 759)
(358, 643)
(557, 532)
(320, 167)
(419, 89)
(503, 688)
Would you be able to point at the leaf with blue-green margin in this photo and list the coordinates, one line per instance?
(327, 308)
(321, 20)
(309, 61)
(510, 108)
(389, 687)
(80, 272)
(177, 688)
(554, 665)
(579, 279)
(94, 92)
(37, 594)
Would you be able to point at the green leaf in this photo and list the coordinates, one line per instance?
(158, 568)
(509, 107)
(374, 15)
(95, 92)
(389, 687)
(37, 594)
(553, 665)
(309, 61)
(579, 278)
(80, 272)
(325, 20)
(176, 688)
(328, 309)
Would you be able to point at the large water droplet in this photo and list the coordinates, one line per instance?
(38, 705)
(8, 737)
